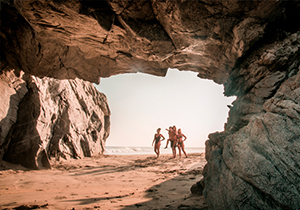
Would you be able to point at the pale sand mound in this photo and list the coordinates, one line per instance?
(105, 182)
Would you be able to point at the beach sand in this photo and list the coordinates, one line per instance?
(105, 182)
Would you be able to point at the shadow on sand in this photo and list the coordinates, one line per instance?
(173, 193)
(178, 196)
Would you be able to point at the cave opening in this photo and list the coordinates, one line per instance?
(141, 103)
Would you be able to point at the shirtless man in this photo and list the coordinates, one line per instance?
(173, 138)
(169, 139)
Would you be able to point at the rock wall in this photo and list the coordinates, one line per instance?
(259, 163)
(54, 119)
(256, 158)
(13, 88)
(251, 47)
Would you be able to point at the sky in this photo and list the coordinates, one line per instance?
(141, 103)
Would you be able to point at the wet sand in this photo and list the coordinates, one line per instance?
(105, 182)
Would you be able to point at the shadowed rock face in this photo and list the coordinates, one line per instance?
(51, 119)
(251, 47)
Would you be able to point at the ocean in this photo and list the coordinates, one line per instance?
(122, 150)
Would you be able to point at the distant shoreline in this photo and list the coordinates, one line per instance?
(147, 155)
(136, 150)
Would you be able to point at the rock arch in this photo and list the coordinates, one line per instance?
(251, 47)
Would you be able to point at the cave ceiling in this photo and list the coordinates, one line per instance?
(92, 39)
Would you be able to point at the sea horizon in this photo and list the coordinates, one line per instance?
(140, 150)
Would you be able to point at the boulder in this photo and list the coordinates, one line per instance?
(13, 88)
(57, 119)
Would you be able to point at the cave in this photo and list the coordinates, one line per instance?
(59, 48)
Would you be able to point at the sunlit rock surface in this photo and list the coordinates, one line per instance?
(88, 39)
(251, 47)
(55, 119)
(13, 88)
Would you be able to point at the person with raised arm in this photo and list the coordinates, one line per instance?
(170, 134)
(174, 140)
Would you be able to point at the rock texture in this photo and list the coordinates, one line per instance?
(55, 119)
(256, 158)
(13, 88)
(259, 163)
(63, 39)
(251, 47)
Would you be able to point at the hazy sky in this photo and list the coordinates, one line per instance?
(141, 103)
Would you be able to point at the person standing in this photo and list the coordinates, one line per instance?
(157, 140)
(180, 143)
(174, 140)
(170, 134)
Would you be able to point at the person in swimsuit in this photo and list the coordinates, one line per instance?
(170, 134)
(157, 140)
(174, 140)
(180, 143)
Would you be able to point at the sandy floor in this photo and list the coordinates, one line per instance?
(105, 182)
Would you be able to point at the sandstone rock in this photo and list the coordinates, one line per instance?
(90, 39)
(60, 119)
(263, 154)
(198, 188)
(13, 88)
(251, 47)
(257, 83)
(245, 34)
(258, 162)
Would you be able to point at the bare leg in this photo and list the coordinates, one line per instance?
(158, 147)
(172, 147)
(179, 149)
(175, 142)
(155, 149)
(183, 150)
(167, 143)
(174, 150)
